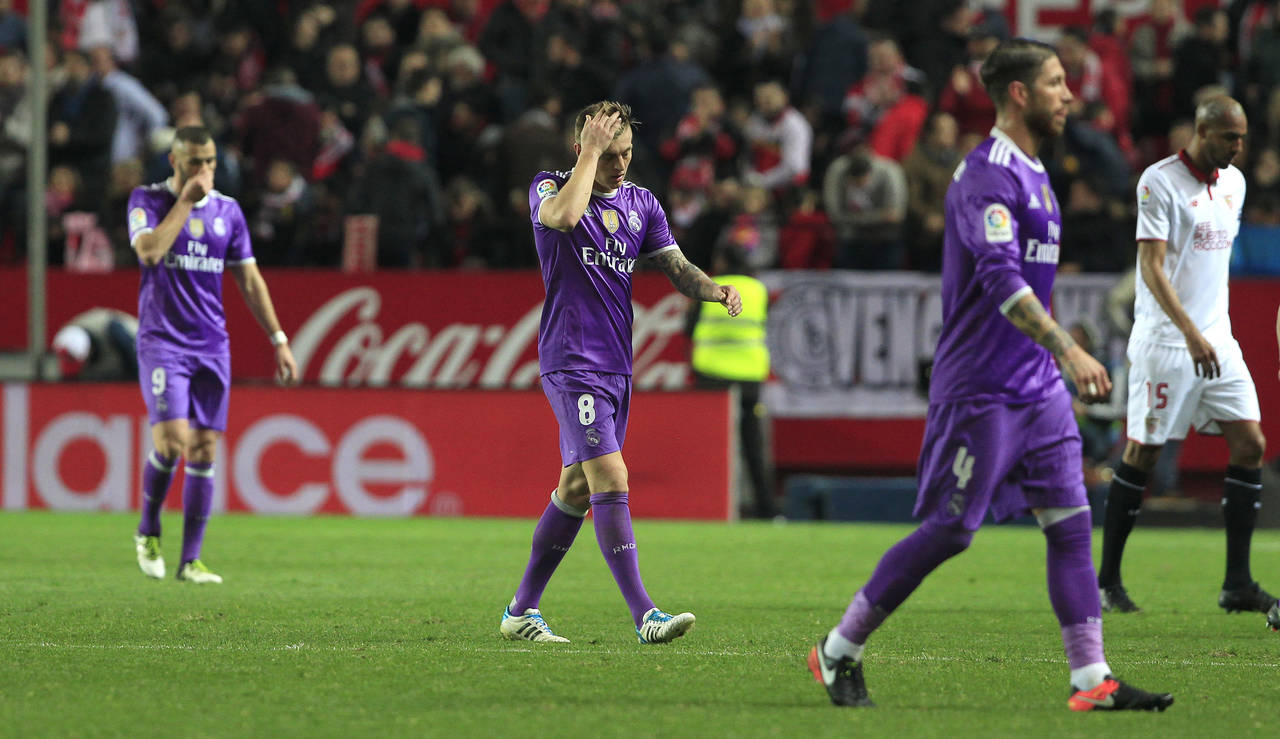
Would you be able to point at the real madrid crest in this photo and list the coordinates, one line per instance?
(196, 227)
(610, 220)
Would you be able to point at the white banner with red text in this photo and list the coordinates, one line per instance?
(376, 452)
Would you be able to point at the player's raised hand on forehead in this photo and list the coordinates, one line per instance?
(599, 131)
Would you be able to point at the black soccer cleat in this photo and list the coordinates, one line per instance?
(1113, 695)
(1115, 599)
(841, 677)
(1273, 616)
(1249, 598)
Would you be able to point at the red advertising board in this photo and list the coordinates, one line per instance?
(447, 330)
(359, 451)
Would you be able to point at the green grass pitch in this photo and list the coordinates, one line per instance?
(388, 627)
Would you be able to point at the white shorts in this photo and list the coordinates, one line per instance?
(1166, 397)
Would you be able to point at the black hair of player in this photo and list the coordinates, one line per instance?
(1014, 60)
(193, 135)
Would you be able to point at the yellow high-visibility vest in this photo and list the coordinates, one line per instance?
(733, 348)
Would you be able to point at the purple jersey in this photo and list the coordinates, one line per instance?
(180, 300)
(586, 318)
(1003, 228)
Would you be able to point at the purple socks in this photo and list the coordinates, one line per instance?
(618, 545)
(1073, 588)
(157, 473)
(898, 574)
(197, 501)
(552, 538)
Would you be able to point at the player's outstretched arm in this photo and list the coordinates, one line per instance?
(254, 289)
(694, 283)
(1151, 260)
(1089, 376)
(152, 247)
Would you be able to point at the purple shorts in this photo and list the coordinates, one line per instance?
(1006, 459)
(591, 408)
(180, 385)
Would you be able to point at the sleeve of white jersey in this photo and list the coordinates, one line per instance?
(1154, 200)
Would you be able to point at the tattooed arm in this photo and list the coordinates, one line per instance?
(694, 283)
(1088, 375)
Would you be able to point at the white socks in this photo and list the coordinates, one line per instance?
(1089, 676)
(837, 646)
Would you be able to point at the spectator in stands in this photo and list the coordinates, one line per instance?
(178, 62)
(943, 44)
(139, 114)
(883, 85)
(401, 189)
(807, 240)
(281, 224)
(865, 195)
(511, 41)
(964, 97)
(753, 230)
(834, 62)
(704, 147)
(928, 172)
(306, 52)
(346, 91)
(472, 236)
(1152, 39)
(658, 89)
(380, 55)
(283, 122)
(779, 141)
(580, 80)
(418, 95)
(1201, 59)
(534, 142)
(698, 240)
(755, 47)
(1107, 40)
(895, 134)
(89, 23)
(401, 16)
(125, 175)
(1091, 83)
(437, 36)
(1095, 233)
(15, 133)
(13, 27)
(82, 122)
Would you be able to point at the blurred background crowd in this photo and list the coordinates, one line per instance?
(813, 134)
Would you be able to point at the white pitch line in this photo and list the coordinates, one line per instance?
(880, 657)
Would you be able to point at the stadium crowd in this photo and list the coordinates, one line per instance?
(806, 134)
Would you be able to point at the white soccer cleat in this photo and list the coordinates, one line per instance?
(149, 559)
(195, 571)
(659, 627)
(529, 627)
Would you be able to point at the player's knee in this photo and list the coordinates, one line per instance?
(201, 451)
(1248, 451)
(575, 492)
(170, 446)
(953, 539)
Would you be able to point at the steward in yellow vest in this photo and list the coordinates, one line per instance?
(731, 352)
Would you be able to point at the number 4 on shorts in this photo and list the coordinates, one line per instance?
(962, 468)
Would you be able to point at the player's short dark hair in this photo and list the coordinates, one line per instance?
(605, 108)
(1014, 60)
(189, 135)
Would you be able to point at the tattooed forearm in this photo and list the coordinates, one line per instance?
(686, 277)
(1031, 319)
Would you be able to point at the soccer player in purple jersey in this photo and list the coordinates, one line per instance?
(1000, 436)
(185, 232)
(591, 227)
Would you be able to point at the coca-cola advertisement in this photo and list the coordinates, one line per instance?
(372, 452)
(416, 329)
